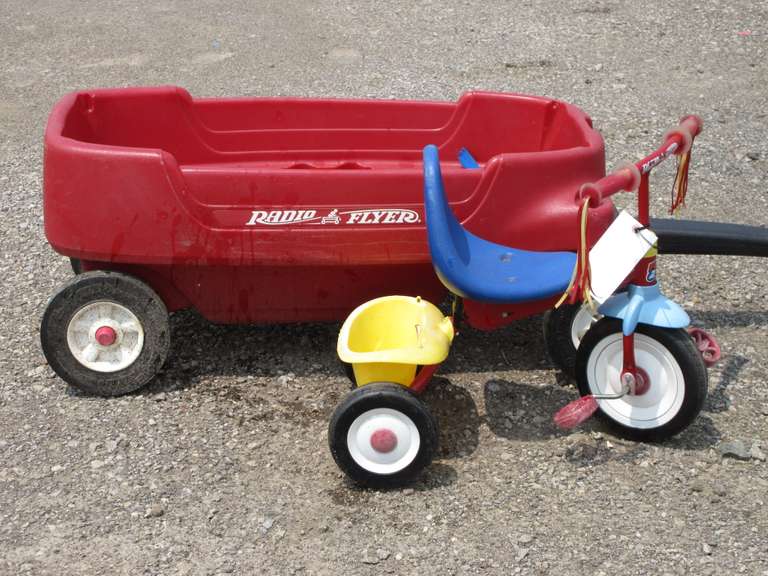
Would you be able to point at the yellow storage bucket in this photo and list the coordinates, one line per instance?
(387, 338)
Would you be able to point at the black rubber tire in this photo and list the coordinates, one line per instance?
(680, 345)
(122, 289)
(557, 337)
(382, 395)
(558, 324)
(77, 265)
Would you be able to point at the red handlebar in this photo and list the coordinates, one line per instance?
(693, 124)
(627, 178)
(608, 185)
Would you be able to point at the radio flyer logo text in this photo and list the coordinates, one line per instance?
(333, 217)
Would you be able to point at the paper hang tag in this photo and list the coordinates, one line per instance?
(616, 253)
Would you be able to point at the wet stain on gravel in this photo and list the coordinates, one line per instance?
(595, 10)
(529, 64)
(595, 452)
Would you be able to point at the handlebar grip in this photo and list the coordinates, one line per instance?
(692, 123)
(625, 178)
(686, 131)
(629, 176)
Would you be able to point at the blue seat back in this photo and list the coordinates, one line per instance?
(448, 243)
(474, 268)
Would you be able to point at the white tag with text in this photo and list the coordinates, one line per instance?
(616, 253)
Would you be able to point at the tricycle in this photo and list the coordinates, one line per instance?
(636, 366)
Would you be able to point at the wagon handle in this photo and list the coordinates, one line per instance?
(627, 178)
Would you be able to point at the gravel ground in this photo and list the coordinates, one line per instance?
(221, 465)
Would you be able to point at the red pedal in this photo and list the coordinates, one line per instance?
(707, 345)
(576, 412)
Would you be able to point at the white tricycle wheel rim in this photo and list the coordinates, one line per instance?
(582, 322)
(388, 421)
(659, 404)
(121, 326)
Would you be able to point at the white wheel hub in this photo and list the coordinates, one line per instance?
(105, 336)
(663, 399)
(383, 441)
(582, 322)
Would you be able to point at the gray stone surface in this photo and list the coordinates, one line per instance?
(221, 465)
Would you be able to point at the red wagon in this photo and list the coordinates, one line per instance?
(283, 209)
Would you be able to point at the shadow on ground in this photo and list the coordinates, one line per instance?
(520, 411)
(718, 399)
(730, 318)
(437, 475)
(200, 350)
(457, 417)
(524, 412)
(514, 410)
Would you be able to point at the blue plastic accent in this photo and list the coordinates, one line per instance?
(480, 270)
(467, 160)
(647, 305)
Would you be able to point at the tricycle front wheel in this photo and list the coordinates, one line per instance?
(105, 333)
(381, 435)
(666, 358)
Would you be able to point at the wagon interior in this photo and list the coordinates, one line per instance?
(311, 134)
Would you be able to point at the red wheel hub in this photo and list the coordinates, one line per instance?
(106, 336)
(383, 440)
(643, 382)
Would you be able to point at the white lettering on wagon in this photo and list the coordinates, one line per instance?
(281, 217)
(335, 216)
(384, 216)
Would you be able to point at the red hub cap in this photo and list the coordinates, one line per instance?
(643, 382)
(383, 440)
(106, 336)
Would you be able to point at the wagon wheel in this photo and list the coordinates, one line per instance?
(564, 328)
(381, 435)
(672, 373)
(105, 333)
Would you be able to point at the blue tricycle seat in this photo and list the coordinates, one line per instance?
(480, 270)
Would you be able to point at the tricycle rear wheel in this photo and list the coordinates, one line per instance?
(105, 333)
(564, 328)
(382, 435)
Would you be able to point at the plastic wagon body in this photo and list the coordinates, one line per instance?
(285, 209)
